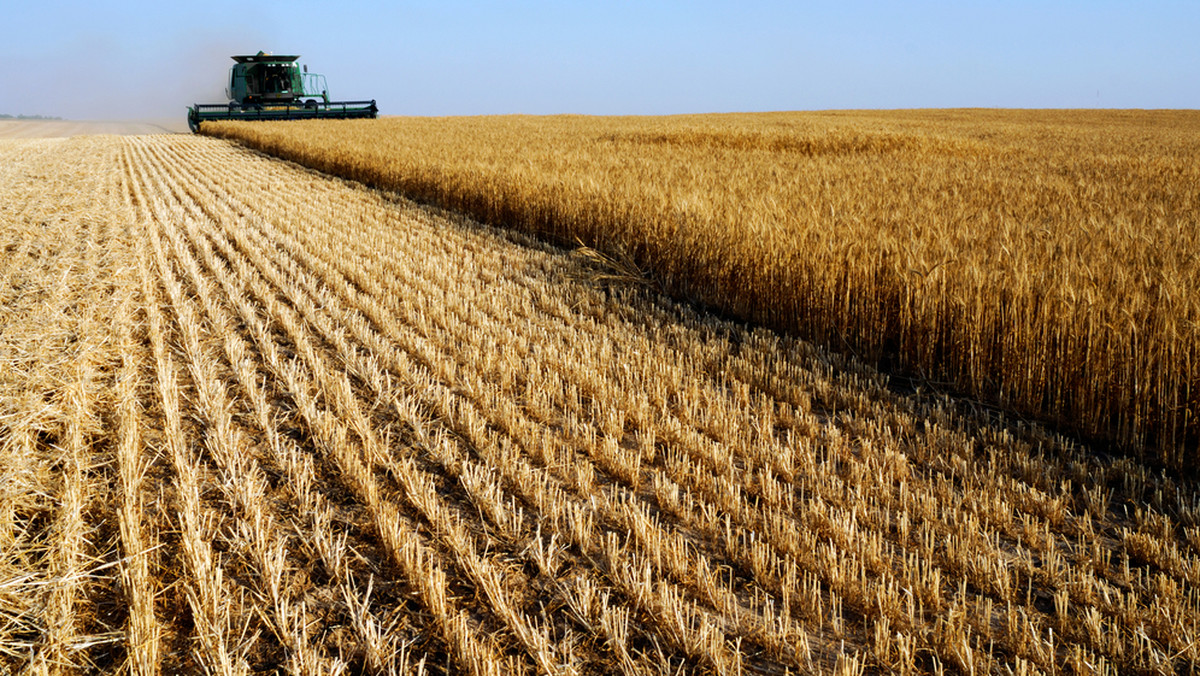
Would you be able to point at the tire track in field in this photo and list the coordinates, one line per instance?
(60, 612)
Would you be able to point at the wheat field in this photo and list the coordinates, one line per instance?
(254, 419)
(1042, 261)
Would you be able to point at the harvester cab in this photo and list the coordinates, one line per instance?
(268, 87)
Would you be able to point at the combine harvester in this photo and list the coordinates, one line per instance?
(267, 87)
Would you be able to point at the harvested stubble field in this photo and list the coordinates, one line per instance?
(1043, 261)
(254, 419)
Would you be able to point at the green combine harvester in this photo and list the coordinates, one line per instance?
(268, 87)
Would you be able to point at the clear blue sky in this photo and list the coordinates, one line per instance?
(121, 60)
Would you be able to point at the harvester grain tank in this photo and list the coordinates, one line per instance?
(268, 87)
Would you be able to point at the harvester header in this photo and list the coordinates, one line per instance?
(274, 87)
